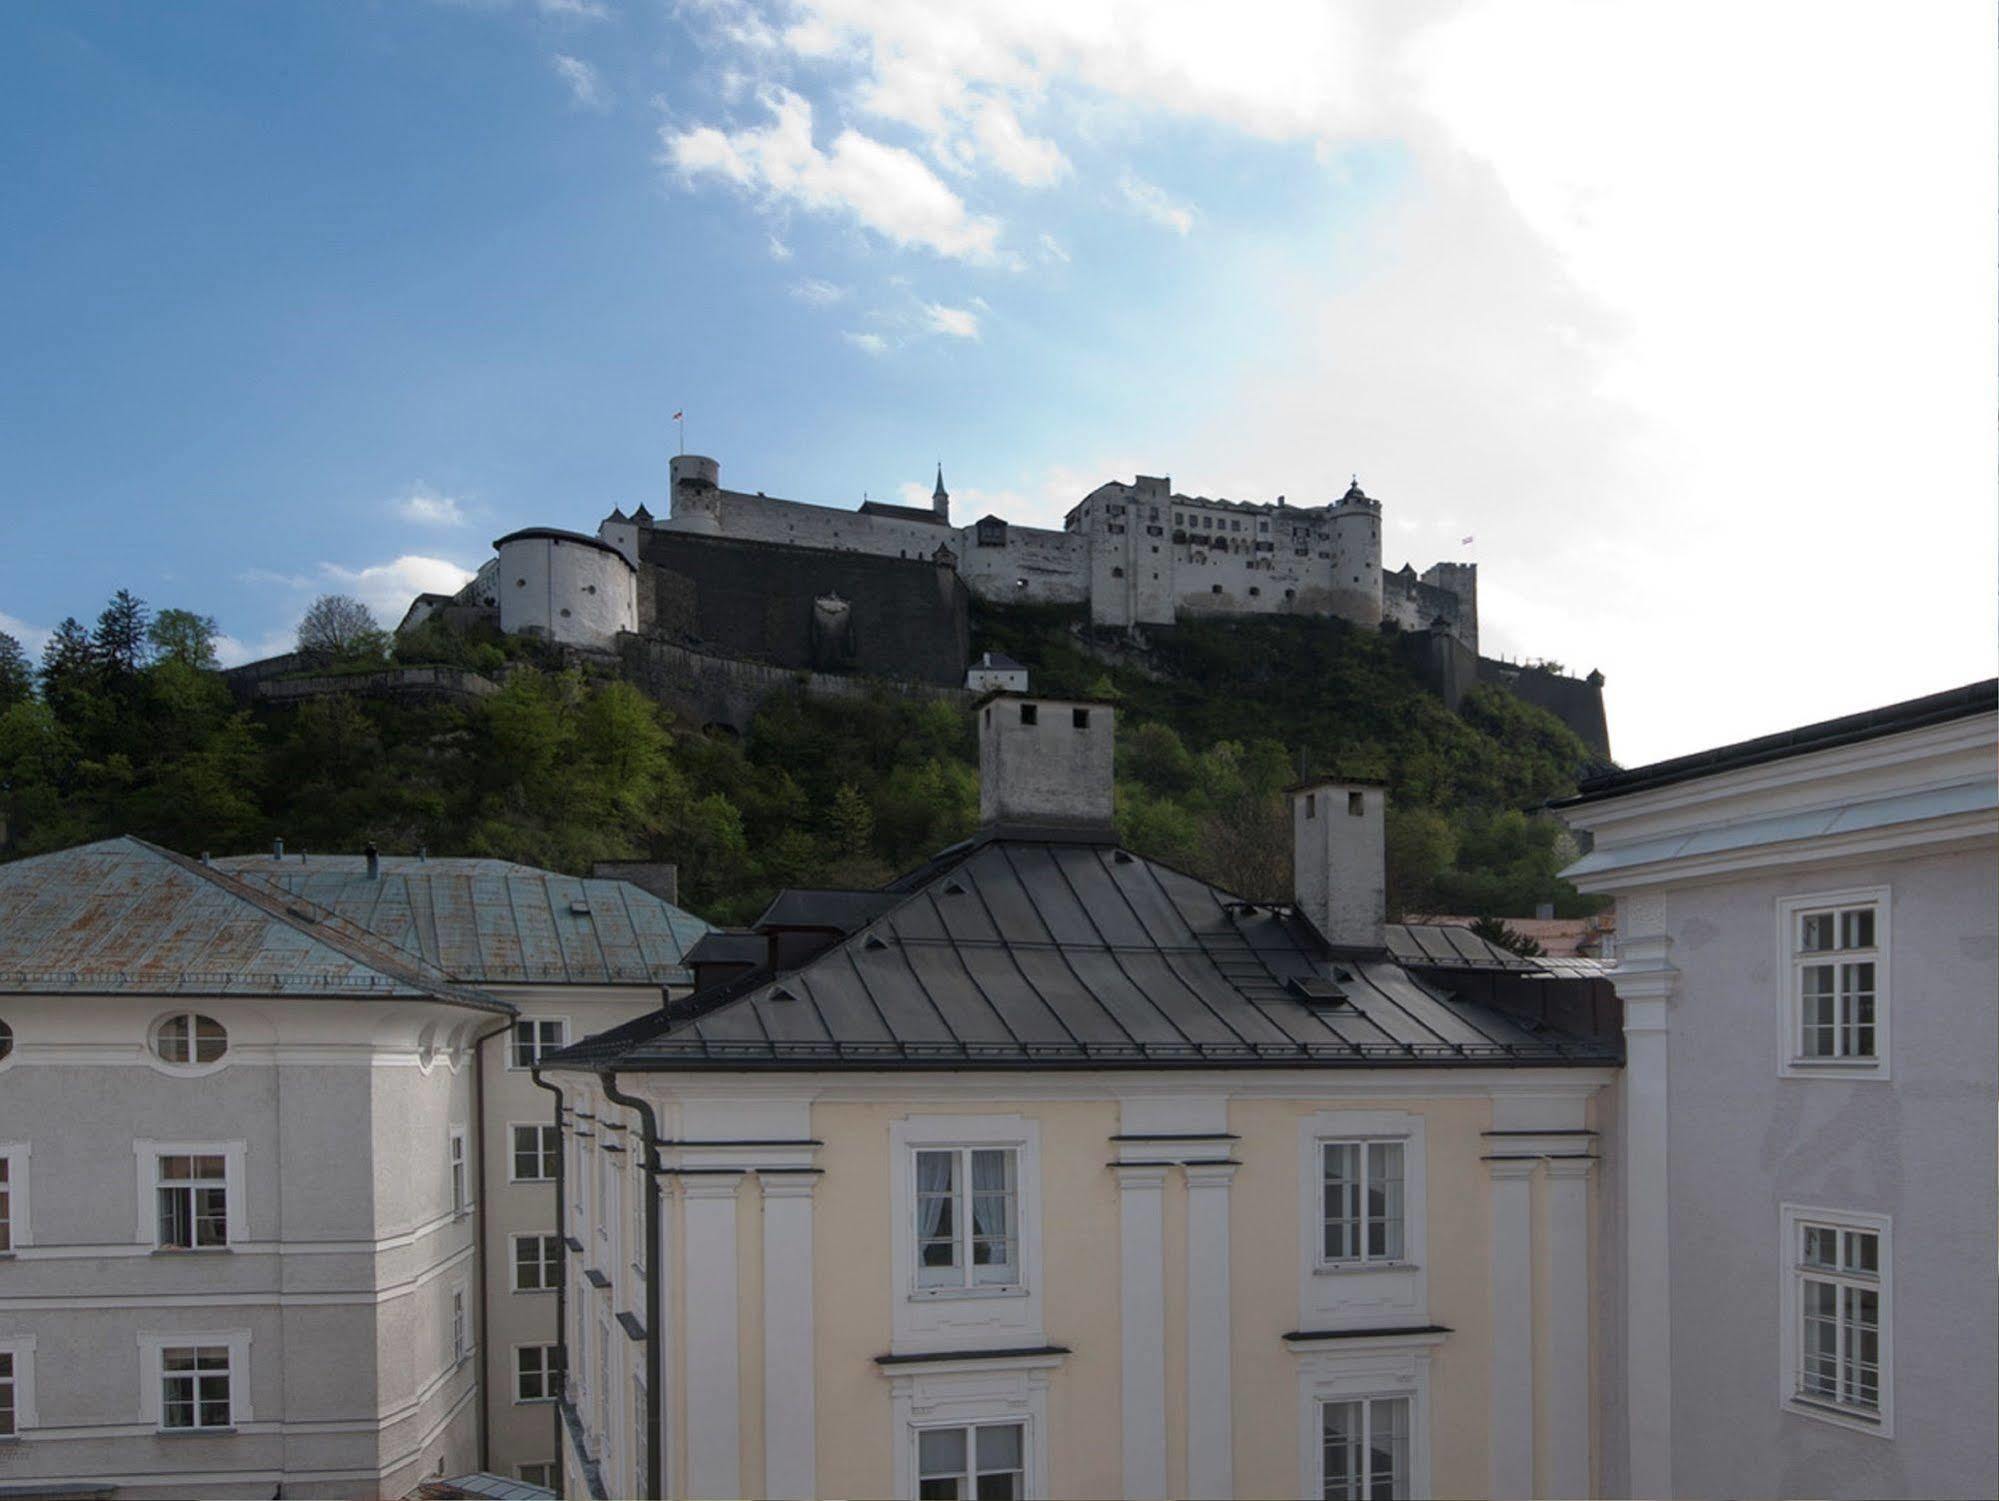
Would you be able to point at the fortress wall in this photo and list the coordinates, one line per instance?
(1055, 566)
(901, 619)
(759, 518)
(1577, 702)
(713, 689)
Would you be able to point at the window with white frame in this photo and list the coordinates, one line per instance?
(14, 1227)
(1838, 1336)
(195, 1387)
(535, 1036)
(537, 1153)
(972, 1462)
(461, 1333)
(606, 1405)
(1364, 1449)
(192, 1197)
(1836, 969)
(967, 1217)
(537, 1263)
(536, 1373)
(461, 1191)
(188, 1039)
(17, 1386)
(641, 1450)
(1361, 1201)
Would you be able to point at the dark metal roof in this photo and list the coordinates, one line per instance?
(719, 947)
(831, 910)
(124, 917)
(1850, 729)
(1011, 953)
(494, 922)
(999, 661)
(559, 534)
(902, 513)
(1446, 946)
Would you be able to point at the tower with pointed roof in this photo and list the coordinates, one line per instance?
(940, 498)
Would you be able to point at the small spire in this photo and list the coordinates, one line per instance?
(940, 493)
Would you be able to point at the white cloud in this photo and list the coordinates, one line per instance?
(885, 188)
(586, 86)
(1031, 162)
(779, 251)
(32, 637)
(1051, 249)
(1151, 202)
(872, 344)
(818, 293)
(426, 507)
(958, 322)
(574, 10)
(388, 588)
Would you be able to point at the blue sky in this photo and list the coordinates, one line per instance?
(326, 296)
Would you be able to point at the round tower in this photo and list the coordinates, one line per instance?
(695, 498)
(1354, 527)
(565, 586)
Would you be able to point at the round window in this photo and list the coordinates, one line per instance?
(189, 1038)
(6, 1039)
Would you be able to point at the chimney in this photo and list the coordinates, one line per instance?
(1339, 868)
(374, 862)
(277, 849)
(1045, 762)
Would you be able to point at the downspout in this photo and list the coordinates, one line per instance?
(655, 1298)
(562, 1273)
(483, 1223)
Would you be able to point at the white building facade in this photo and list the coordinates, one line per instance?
(237, 1197)
(1801, 1298)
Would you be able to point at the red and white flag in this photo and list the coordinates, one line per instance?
(678, 415)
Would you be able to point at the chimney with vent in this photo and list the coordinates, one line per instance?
(1339, 869)
(374, 858)
(1045, 762)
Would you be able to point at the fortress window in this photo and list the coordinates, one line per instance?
(1214, 588)
(1029, 713)
(1290, 593)
(1020, 583)
(589, 588)
(1117, 573)
(520, 583)
(565, 612)
(1254, 590)
(1079, 718)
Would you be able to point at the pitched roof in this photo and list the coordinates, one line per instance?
(493, 922)
(122, 916)
(1828, 734)
(1026, 953)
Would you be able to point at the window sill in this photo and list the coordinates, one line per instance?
(1348, 1268)
(1864, 1067)
(534, 1401)
(956, 1294)
(1860, 1420)
(192, 1250)
(195, 1432)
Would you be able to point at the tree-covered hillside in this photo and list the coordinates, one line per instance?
(127, 728)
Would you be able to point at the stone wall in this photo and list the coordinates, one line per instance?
(815, 609)
(715, 690)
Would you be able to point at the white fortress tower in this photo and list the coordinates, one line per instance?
(695, 499)
(565, 586)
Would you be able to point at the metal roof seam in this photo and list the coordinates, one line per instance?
(1152, 870)
(1041, 917)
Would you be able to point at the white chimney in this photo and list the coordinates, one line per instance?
(1339, 868)
(1045, 762)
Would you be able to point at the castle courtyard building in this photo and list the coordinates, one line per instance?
(1802, 1301)
(1049, 1170)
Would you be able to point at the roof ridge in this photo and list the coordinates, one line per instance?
(344, 937)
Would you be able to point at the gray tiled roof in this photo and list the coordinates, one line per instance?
(1446, 945)
(1011, 953)
(122, 916)
(493, 922)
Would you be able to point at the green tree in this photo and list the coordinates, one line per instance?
(185, 637)
(69, 671)
(852, 820)
(17, 676)
(338, 628)
(120, 640)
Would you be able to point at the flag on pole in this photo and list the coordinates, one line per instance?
(1467, 542)
(678, 415)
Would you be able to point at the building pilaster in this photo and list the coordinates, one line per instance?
(1566, 1403)
(1511, 1444)
(1210, 1412)
(713, 1383)
(1644, 979)
(1142, 1245)
(790, 1467)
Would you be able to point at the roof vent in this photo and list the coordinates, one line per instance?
(781, 994)
(374, 858)
(1123, 857)
(873, 943)
(277, 849)
(952, 888)
(579, 907)
(1320, 995)
(301, 913)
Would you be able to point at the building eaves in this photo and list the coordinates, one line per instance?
(1829, 734)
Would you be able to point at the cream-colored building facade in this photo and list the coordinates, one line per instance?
(1050, 1171)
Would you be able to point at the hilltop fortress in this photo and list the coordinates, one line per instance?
(1136, 554)
(730, 583)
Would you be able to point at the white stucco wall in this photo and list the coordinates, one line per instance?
(566, 590)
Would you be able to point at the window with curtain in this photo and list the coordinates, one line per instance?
(967, 1217)
(193, 1195)
(977, 1462)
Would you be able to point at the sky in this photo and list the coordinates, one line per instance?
(1683, 312)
